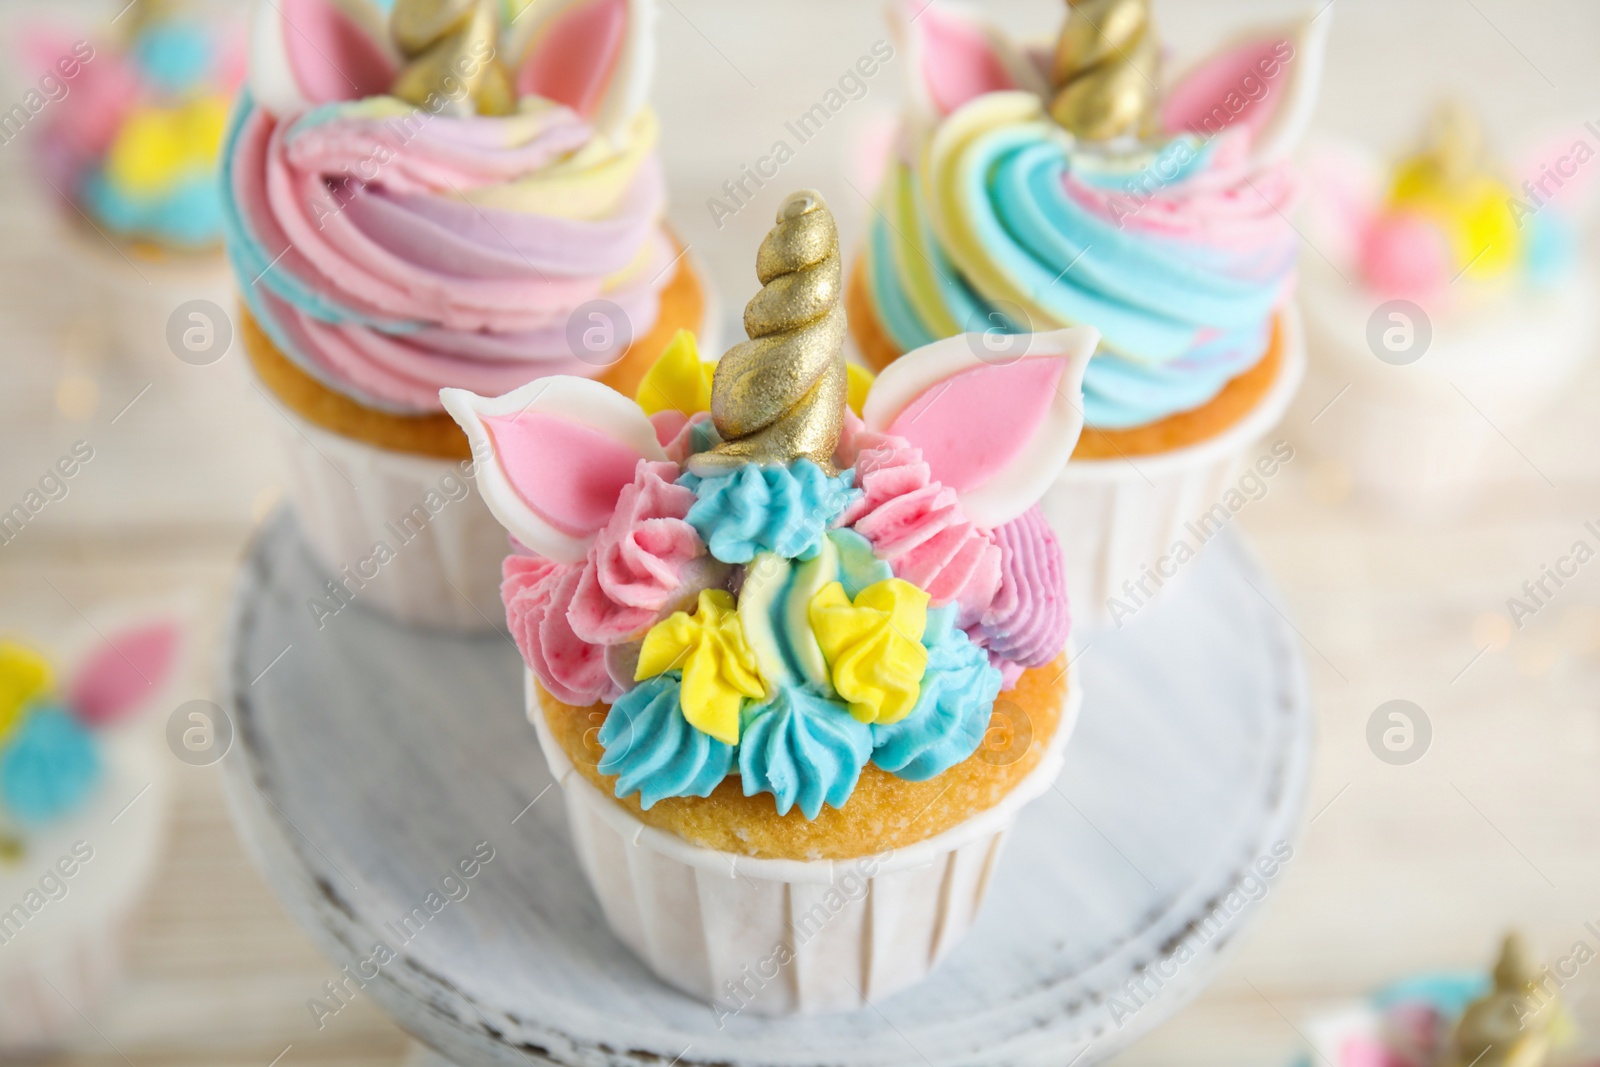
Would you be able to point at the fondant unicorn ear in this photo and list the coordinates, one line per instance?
(1266, 84)
(999, 432)
(131, 668)
(953, 54)
(594, 56)
(309, 52)
(553, 456)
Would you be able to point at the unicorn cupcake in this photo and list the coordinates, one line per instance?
(786, 623)
(455, 195)
(82, 806)
(128, 146)
(1455, 304)
(1032, 190)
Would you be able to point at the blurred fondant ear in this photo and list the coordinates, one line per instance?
(553, 456)
(304, 53)
(594, 56)
(1266, 84)
(121, 675)
(953, 54)
(996, 430)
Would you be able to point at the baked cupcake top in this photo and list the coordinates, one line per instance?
(763, 580)
(1033, 190)
(1447, 222)
(425, 201)
(132, 127)
(50, 734)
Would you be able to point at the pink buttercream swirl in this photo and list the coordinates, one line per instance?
(536, 594)
(637, 567)
(916, 525)
(1028, 622)
(402, 257)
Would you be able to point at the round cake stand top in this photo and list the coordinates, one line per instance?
(376, 766)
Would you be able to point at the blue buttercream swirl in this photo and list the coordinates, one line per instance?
(654, 751)
(759, 507)
(50, 766)
(1179, 318)
(803, 749)
(952, 710)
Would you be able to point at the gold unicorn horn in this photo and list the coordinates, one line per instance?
(450, 50)
(780, 396)
(143, 14)
(1453, 147)
(1510, 1026)
(1106, 69)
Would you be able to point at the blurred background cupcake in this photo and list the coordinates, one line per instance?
(1511, 1016)
(1452, 301)
(1034, 189)
(127, 143)
(449, 195)
(82, 810)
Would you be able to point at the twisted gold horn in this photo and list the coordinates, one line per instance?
(780, 396)
(1106, 69)
(451, 52)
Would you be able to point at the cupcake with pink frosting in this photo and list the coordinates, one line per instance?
(455, 195)
(787, 623)
(1452, 303)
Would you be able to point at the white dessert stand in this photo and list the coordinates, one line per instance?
(371, 759)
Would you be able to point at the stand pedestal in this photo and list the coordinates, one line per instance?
(375, 766)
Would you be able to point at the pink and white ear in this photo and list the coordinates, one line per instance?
(1556, 171)
(594, 56)
(304, 53)
(998, 433)
(119, 676)
(953, 54)
(553, 456)
(1266, 84)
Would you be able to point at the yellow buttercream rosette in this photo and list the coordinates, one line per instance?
(24, 677)
(719, 670)
(873, 646)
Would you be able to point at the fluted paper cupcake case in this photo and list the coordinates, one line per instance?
(1428, 434)
(1115, 517)
(67, 957)
(134, 297)
(442, 567)
(788, 937)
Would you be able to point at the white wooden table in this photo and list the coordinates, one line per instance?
(1402, 867)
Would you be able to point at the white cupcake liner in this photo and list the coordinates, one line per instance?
(443, 561)
(788, 937)
(39, 1003)
(67, 956)
(1428, 435)
(1119, 519)
(133, 298)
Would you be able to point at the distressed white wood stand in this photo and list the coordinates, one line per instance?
(370, 759)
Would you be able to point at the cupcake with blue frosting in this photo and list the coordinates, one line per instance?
(82, 801)
(784, 620)
(1036, 189)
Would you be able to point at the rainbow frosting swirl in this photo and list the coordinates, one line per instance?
(390, 249)
(1177, 246)
(390, 252)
